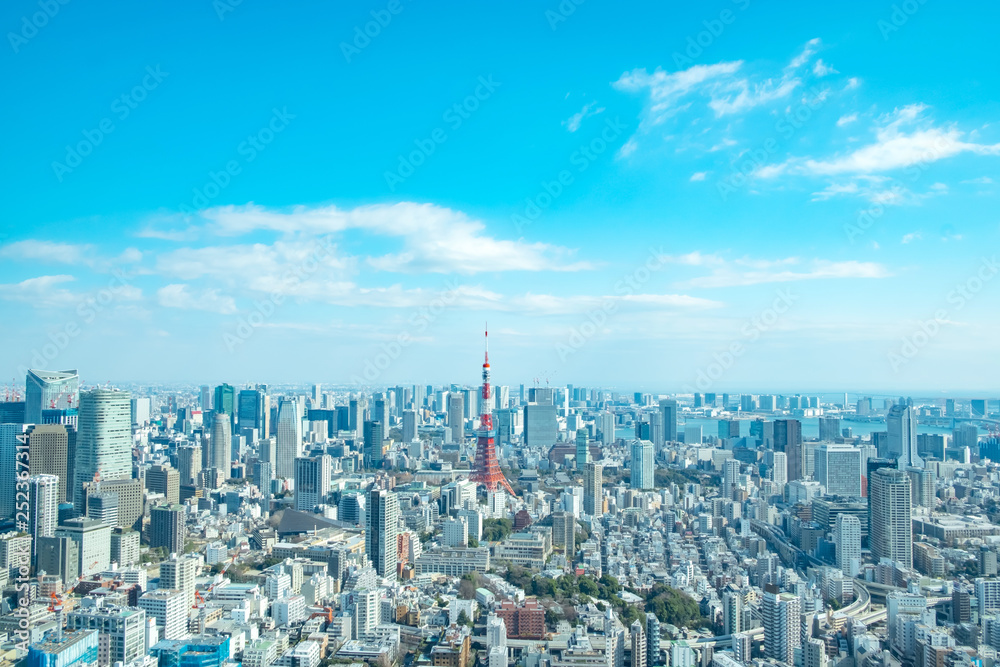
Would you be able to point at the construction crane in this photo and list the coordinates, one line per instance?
(56, 602)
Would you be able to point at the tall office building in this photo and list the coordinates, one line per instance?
(606, 427)
(730, 477)
(219, 453)
(901, 441)
(312, 481)
(652, 640)
(170, 609)
(541, 425)
(49, 390)
(847, 538)
(205, 398)
(593, 494)
(93, 540)
(252, 410)
(778, 470)
(166, 528)
(668, 410)
(923, 483)
(456, 416)
(582, 448)
(164, 479)
(122, 631)
(104, 439)
(564, 533)
(43, 508)
(409, 426)
(839, 469)
(788, 439)
(289, 438)
(374, 434)
(782, 624)
(11, 442)
(641, 469)
(829, 428)
(381, 531)
(48, 454)
(178, 572)
(189, 463)
(655, 429)
(890, 521)
(225, 401)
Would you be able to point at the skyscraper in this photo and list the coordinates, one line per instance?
(641, 470)
(252, 409)
(606, 426)
(225, 401)
(839, 468)
(43, 508)
(582, 448)
(166, 528)
(289, 438)
(668, 408)
(49, 390)
(901, 441)
(409, 425)
(593, 495)
(11, 441)
(890, 522)
(164, 479)
(189, 463)
(381, 531)
(730, 477)
(312, 481)
(456, 416)
(374, 434)
(219, 454)
(732, 611)
(782, 624)
(847, 538)
(829, 428)
(788, 439)
(104, 440)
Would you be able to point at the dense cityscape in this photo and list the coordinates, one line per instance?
(389, 333)
(453, 526)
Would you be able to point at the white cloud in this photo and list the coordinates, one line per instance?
(180, 296)
(48, 251)
(573, 122)
(982, 180)
(748, 271)
(666, 89)
(698, 176)
(896, 146)
(822, 69)
(911, 237)
(41, 292)
(434, 239)
(846, 119)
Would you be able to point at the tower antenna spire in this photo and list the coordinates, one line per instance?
(486, 468)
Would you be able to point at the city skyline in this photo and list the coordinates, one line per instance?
(821, 201)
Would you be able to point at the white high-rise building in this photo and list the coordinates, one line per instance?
(366, 615)
(901, 438)
(593, 492)
(178, 573)
(170, 609)
(641, 467)
(838, 468)
(779, 469)
(732, 612)
(104, 439)
(312, 481)
(381, 531)
(782, 624)
(847, 537)
(891, 530)
(220, 447)
(730, 477)
(289, 438)
(43, 508)
(456, 532)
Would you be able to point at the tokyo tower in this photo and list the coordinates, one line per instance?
(486, 470)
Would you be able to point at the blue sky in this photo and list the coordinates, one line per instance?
(730, 196)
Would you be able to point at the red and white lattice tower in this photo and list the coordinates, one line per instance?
(486, 470)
